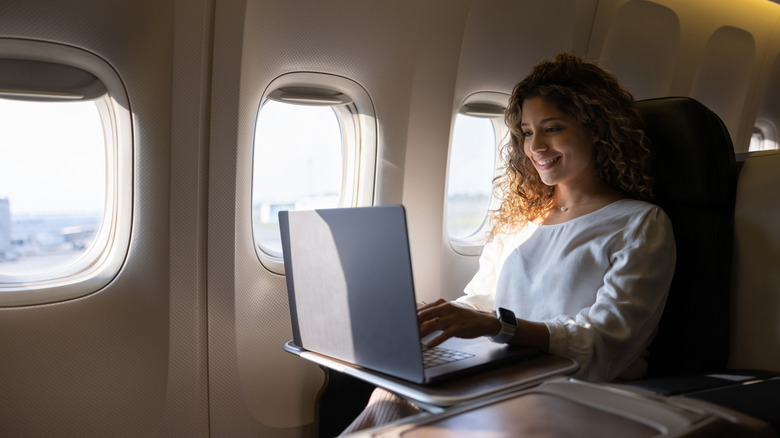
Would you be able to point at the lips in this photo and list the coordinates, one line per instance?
(547, 162)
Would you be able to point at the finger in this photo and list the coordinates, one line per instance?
(431, 311)
(430, 326)
(427, 328)
(424, 305)
(427, 315)
(433, 343)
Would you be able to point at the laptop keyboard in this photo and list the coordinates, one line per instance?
(439, 356)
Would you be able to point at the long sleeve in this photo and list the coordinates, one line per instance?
(599, 282)
(609, 337)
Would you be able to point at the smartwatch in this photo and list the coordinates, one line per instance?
(508, 326)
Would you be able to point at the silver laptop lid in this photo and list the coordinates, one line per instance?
(349, 280)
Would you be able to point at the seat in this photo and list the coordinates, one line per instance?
(716, 322)
(756, 303)
(694, 166)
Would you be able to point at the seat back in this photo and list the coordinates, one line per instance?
(756, 299)
(694, 166)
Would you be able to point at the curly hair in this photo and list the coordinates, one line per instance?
(593, 97)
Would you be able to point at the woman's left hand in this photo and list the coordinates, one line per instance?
(454, 320)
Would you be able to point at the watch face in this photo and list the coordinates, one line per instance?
(507, 316)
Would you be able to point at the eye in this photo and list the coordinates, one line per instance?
(553, 129)
(526, 134)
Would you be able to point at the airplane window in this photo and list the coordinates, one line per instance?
(52, 184)
(756, 141)
(297, 165)
(314, 147)
(477, 130)
(471, 170)
(760, 140)
(65, 173)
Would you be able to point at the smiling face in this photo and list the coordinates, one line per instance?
(560, 148)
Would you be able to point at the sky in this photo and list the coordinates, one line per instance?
(473, 156)
(297, 152)
(52, 157)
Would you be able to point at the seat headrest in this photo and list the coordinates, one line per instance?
(692, 152)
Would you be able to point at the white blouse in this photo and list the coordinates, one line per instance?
(599, 282)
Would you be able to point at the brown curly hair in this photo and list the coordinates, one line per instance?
(593, 97)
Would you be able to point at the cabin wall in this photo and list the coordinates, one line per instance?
(720, 53)
(98, 365)
(379, 46)
(186, 410)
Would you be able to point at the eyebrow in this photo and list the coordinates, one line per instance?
(550, 119)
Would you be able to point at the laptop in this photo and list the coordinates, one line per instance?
(351, 292)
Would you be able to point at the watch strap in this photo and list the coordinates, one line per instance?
(508, 326)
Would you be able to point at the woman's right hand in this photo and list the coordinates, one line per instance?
(454, 320)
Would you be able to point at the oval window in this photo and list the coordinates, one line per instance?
(471, 171)
(65, 173)
(52, 184)
(297, 165)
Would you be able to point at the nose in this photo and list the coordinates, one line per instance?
(536, 143)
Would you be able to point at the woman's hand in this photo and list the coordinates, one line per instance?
(454, 320)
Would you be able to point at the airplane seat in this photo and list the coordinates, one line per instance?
(718, 339)
(756, 301)
(695, 171)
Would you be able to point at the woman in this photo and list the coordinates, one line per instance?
(578, 262)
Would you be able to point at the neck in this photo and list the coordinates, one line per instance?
(566, 198)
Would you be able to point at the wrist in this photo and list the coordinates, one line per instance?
(494, 326)
(508, 326)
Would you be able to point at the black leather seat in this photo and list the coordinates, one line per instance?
(695, 171)
(695, 166)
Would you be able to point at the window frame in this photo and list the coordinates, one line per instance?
(768, 134)
(357, 121)
(100, 264)
(490, 105)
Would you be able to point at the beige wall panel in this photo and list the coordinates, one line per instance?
(768, 95)
(699, 21)
(97, 366)
(372, 44)
(186, 409)
(430, 119)
(724, 77)
(641, 48)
